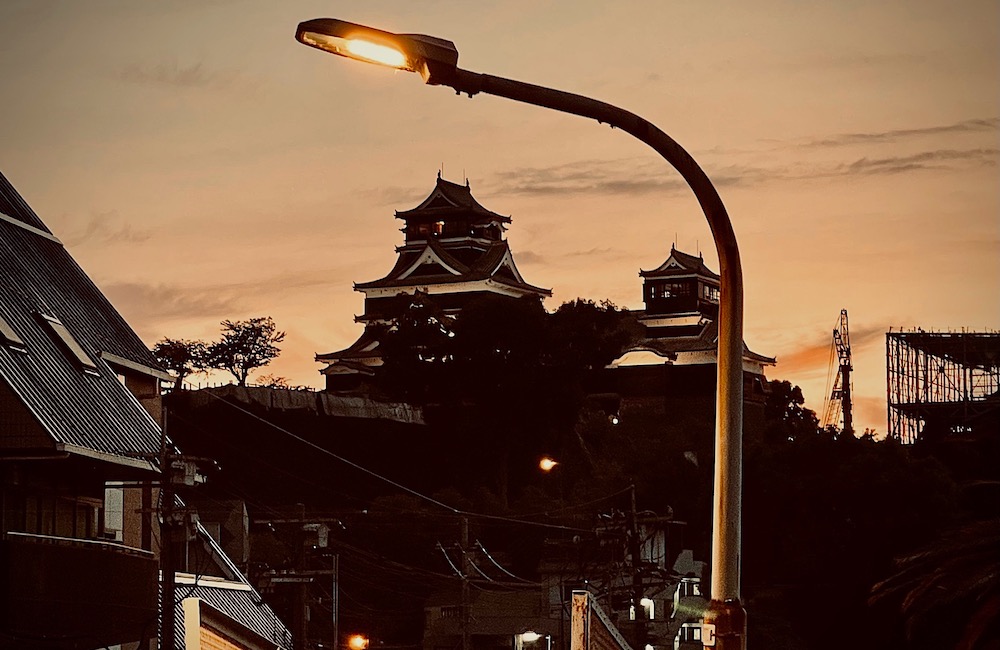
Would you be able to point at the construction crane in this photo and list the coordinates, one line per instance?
(840, 396)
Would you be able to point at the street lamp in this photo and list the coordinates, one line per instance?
(436, 60)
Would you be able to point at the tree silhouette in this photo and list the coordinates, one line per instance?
(245, 346)
(948, 592)
(181, 356)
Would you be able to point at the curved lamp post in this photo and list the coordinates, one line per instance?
(436, 60)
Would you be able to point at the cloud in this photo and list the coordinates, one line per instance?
(104, 228)
(196, 75)
(403, 198)
(895, 135)
(146, 304)
(530, 257)
(627, 176)
(937, 159)
(817, 354)
(634, 178)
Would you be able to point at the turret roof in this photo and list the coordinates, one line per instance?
(705, 341)
(680, 263)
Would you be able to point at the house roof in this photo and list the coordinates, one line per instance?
(680, 263)
(449, 198)
(64, 376)
(232, 596)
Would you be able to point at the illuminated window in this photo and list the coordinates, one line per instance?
(114, 512)
(689, 632)
(70, 343)
(9, 336)
(669, 290)
(711, 293)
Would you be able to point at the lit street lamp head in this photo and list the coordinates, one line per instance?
(434, 58)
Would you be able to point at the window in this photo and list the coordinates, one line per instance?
(669, 290)
(9, 336)
(70, 343)
(710, 293)
(689, 632)
(114, 513)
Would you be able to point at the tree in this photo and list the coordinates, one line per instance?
(948, 591)
(245, 346)
(586, 335)
(785, 417)
(181, 356)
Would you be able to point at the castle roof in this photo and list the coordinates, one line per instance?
(435, 264)
(707, 340)
(679, 263)
(448, 199)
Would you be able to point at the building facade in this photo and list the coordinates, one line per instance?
(80, 447)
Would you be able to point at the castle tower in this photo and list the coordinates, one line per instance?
(453, 251)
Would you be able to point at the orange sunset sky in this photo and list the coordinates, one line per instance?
(201, 165)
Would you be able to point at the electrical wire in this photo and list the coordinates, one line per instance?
(399, 486)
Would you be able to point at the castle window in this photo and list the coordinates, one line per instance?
(710, 293)
(438, 227)
(669, 290)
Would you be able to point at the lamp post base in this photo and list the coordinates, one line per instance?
(725, 626)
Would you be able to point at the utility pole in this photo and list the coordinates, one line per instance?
(335, 601)
(635, 550)
(175, 469)
(309, 533)
(466, 569)
(167, 562)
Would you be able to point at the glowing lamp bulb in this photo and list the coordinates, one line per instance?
(530, 637)
(546, 464)
(357, 642)
(376, 53)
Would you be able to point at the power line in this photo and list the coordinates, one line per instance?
(397, 485)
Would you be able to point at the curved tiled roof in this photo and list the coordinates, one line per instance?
(683, 264)
(450, 198)
(707, 340)
(484, 268)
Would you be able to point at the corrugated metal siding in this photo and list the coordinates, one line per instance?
(242, 605)
(38, 276)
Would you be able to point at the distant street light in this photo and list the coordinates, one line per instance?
(547, 464)
(436, 60)
(357, 642)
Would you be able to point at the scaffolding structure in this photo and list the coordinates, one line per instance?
(942, 383)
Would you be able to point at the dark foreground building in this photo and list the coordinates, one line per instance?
(79, 455)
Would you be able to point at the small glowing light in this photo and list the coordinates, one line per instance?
(357, 642)
(376, 53)
(613, 418)
(530, 637)
(546, 464)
